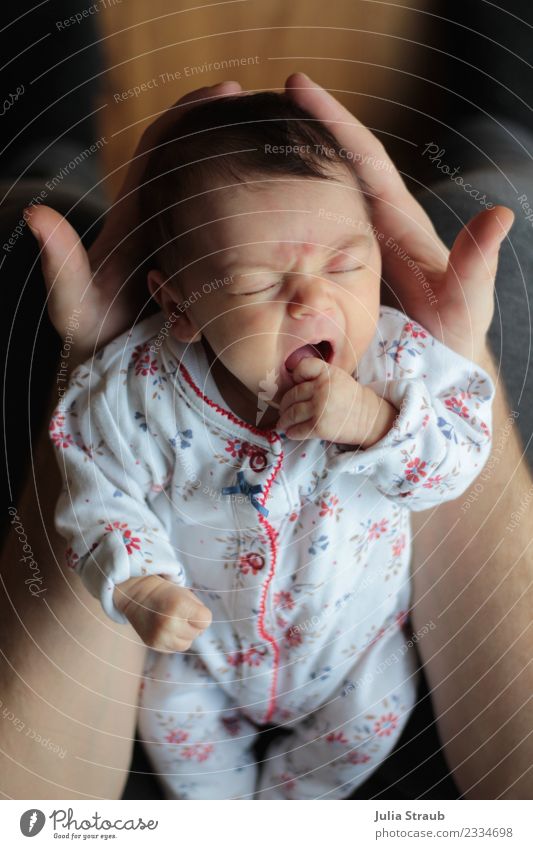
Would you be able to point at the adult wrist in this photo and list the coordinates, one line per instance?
(474, 349)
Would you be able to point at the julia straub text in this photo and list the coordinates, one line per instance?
(407, 815)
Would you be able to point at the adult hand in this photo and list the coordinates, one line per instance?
(461, 280)
(106, 283)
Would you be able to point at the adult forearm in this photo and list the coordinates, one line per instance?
(69, 677)
(472, 576)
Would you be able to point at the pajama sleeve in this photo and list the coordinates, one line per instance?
(441, 438)
(103, 512)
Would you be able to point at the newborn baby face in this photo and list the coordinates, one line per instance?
(302, 269)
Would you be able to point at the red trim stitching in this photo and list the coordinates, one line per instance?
(271, 435)
(269, 638)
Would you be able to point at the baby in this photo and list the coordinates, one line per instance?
(239, 468)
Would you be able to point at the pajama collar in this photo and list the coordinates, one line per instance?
(194, 380)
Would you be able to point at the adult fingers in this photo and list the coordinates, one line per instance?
(64, 262)
(472, 268)
(167, 118)
(397, 213)
(474, 255)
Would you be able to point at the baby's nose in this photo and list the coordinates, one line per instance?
(311, 296)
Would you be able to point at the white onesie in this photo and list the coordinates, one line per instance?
(300, 549)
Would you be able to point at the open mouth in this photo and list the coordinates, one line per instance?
(322, 349)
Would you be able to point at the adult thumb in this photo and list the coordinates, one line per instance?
(474, 255)
(64, 262)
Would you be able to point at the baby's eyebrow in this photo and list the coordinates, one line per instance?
(353, 241)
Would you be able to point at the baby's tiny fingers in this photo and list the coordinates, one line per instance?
(302, 430)
(308, 369)
(201, 618)
(295, 414)
(299, 392)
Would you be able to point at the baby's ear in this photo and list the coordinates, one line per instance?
(183, 327)
(156, 287)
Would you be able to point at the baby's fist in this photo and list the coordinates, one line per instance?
(167, 617)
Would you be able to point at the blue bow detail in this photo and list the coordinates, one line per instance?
(246, 489)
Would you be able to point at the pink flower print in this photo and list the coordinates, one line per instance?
(71, 558)
(293, 517)
(232, 724)
(433, 481)
(284, 600)
(116, 526)
(144, 363)
(288, 780)
(455, 405)
(377, 529)
(233, 447)
(293, 637)
(131, 543)
(337, 737)
(485, 429)
(254, 656)
(386, 725)
(415, 468)
(61, 439)
(425, 420)
(398, 351)
(198, 752)
(327, 508)
(357, 758)
(251, 562)
(398, 544)
(58, 420)
(178, 736)
(415, 330)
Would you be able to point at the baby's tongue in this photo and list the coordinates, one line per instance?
(300, 354)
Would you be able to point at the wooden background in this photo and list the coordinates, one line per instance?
(364, 51)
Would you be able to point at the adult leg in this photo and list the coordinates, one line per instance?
(475, 554)
(69, 677)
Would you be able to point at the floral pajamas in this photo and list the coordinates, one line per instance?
(202, 743)
(300, 549)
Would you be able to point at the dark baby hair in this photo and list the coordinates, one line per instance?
(235, 138)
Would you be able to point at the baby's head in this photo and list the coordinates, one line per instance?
(261, 239)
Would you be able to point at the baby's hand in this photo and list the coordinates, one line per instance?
(165, 616)
(328, 403)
